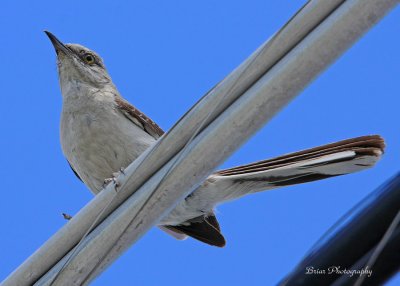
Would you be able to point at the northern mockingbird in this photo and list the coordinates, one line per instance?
(101, 133)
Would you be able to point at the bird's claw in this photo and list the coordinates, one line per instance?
(113, 180)
(66, 216)
(108, 180)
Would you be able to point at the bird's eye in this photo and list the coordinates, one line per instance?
(89, 58)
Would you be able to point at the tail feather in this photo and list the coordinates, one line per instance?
(322, 162)
(365, 144)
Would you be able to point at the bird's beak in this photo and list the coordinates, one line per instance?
(58, 45)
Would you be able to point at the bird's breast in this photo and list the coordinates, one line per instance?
(98, 140)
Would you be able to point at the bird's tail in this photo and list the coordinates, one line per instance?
(340, 158)
(313, 164)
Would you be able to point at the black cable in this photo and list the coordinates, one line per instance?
(354, 240)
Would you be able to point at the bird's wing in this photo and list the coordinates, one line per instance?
(139, 118)
(204, 228)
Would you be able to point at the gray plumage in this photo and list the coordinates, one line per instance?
(102, 133)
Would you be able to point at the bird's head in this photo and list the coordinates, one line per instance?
(77, 64)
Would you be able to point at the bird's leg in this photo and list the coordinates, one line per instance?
(109, 180)
(113, 179)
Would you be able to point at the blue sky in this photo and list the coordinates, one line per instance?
(163, 56)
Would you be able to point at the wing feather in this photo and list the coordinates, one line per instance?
(138, 118)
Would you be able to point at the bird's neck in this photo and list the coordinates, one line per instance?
(77, 94)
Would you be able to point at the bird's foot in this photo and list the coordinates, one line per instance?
(66, 216)
(111, 180)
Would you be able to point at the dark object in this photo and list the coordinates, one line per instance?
(205, 228)
(352, 244)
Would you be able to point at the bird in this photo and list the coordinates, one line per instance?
(101, 133)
